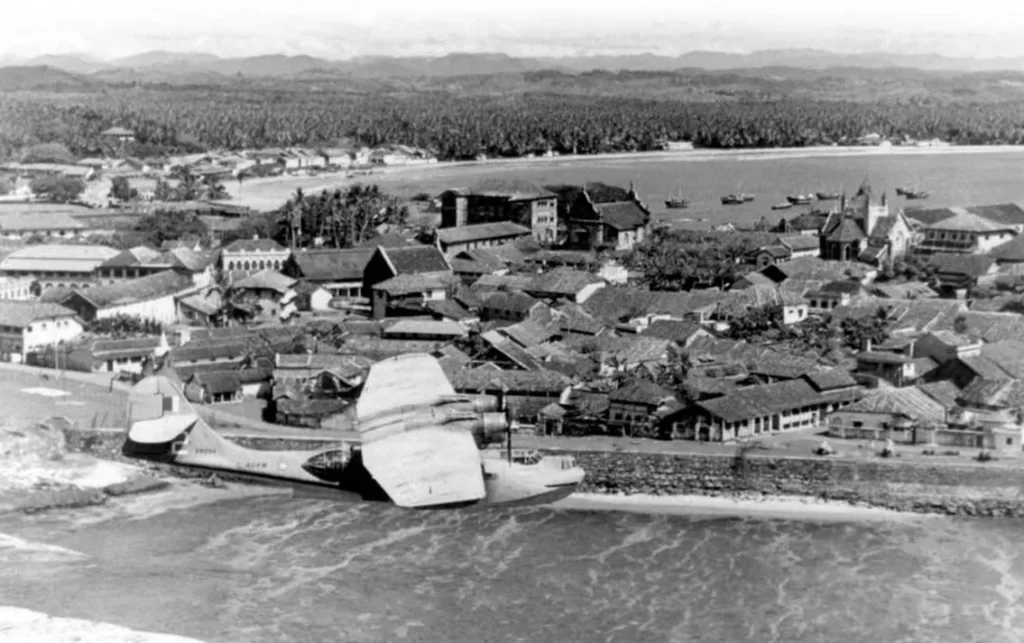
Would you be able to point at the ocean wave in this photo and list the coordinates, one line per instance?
(19, 625)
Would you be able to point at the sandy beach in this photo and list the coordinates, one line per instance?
(269, 193)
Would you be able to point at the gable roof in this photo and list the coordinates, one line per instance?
(562, 281)
(798, 242)
(971, 265)
(621, 215)
(265, 280)
(481, 232)
(515, 301)
(415, 259)
(846, 231)
(332, 264)
(909, 402)
(640, 391)
(409, 283)
(676, 330)
(758, 401)
(146, 288)
(20, 314)
(1004, 393)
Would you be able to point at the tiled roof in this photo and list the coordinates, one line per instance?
(518, 302)
(468, 267)
(39, 221)
(56, 257)
(514, 190)
(527, 333)
(622, 215)
(1000, 212)
(908, 290)
(813, 268)
(502, 282)
(408, 283)
(562, 282)
(628, 350)
(800, 242)
(672, 329)
(944, 392)
(481, 232)
(254, 245)
(612, 303)
(640, 391)
(1010, 252)
(146, 288)
(207, 304)
(848, 230)
(971, 265)
(1008, 354)
(449, 309)
(487, 380)
(186, 258)
(512, 351)
(831, 378)
(424, 327)
(218, 382)
(20, 314)
(332, 264)
(965, 221)
(757, 401)
(386, 240)
(883, 226)
(265, 280)
(910, 402)
(137, 256)
(998, 393)
(416, 259)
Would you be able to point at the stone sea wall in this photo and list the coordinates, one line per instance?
(950, 488)
(977, 489)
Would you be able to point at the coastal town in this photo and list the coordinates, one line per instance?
(853, 319)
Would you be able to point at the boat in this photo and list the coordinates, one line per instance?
(733, 199)
(915, 194)
(785, 205)
(799, 199)
(677, 202)
(747, 197)
(828, 196)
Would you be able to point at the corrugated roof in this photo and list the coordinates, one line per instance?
(20, 314)
(425, 327)
(39, 221)
(59, 258)
(481, 232)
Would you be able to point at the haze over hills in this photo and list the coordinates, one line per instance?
(157, 66)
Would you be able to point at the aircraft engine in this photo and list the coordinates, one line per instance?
(490, 427)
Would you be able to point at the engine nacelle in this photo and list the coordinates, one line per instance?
(474, 404)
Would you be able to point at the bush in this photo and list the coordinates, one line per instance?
(986, 456)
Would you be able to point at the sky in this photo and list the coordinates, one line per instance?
(342, 28)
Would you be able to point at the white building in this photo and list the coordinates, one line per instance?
(151, 298)
(14, 288)
(965, 232)
(248, 256)
(47, 224)
(57, 266)
(27, 325)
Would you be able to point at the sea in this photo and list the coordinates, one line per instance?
(951, 176)
(281, 569)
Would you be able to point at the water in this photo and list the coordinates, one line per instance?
(284, 569)
(972, 177)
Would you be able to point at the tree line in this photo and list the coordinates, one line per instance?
(456, 126)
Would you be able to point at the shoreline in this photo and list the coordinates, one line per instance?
(288, 184)
(752, 506)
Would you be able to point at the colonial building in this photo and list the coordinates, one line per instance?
(339, 271)
(15, 288)
(26, 326)
(43, 224)
(142, 261)
(387, 263)
(494, 200)
(865, 229)
(621, 225)
(57, 266)
(253, 255)
(152, 298)
(965, 233)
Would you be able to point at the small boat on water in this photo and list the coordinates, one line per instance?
(828, 196)
(747, 197)
(785, 205)
(732, 199)
(915, 194)
(677, 202)
(799, 199)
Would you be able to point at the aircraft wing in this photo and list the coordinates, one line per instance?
(425, 468)
(406, 380)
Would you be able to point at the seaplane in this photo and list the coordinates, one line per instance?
(419, 444)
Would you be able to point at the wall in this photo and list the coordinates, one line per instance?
(46, 332)
(162, 310)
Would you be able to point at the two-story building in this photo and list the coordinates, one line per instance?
(150, 298)
(15, 288)
(57, 266)
(253, 255)
(26, 326)
(494, 200)
(621, 225)
(339, 271)
(143, 261)
(964, 233)
(40, 224)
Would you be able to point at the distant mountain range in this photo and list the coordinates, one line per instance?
(158, 66)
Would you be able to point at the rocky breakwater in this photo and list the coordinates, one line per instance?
(976, 489)
(38, 472)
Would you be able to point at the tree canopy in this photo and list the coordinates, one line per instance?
(338, 219)
(686, 259)
(57, 189)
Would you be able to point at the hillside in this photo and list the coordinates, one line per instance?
(41, 77)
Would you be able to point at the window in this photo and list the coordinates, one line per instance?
(857, 424)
